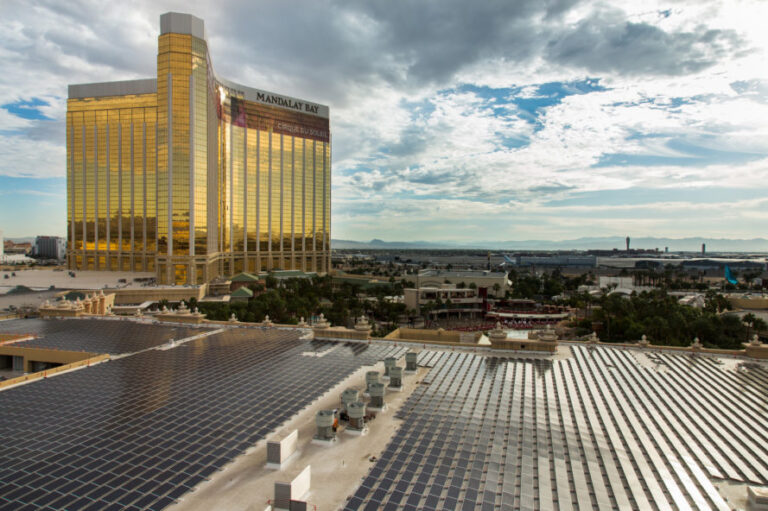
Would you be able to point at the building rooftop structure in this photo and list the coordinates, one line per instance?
(141, 431)
(497, 283)
(461, 273)
(587, 427)
(598, 430)
(114, 336)
(585, 261)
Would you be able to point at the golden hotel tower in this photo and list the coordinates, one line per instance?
(191, 176)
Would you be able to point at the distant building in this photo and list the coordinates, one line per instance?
(618, 282)
(480, 279)
(587, 261)
(719, 264)
(2, 251)
(50, 247)
(12, 247)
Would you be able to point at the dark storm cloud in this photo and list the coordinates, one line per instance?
(606, 42)
(331, 50)
(401, 43)
(332, 46)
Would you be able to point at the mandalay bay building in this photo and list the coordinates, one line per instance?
(193, 177)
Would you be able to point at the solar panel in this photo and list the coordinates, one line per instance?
(140, 431)
(113, 336)
(528, 433)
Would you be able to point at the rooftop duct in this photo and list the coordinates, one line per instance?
(324, 421)
(389, 363)
(356, 412)
(410, 362)
(396, 377)
(371, 377)
(377, 391)
(349, 396)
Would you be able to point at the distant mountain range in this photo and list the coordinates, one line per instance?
(604, 243)
(596, 243)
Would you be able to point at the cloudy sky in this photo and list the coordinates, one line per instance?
(451, 120)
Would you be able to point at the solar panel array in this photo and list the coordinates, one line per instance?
(96, 335)
(597, 430)
(141, 431)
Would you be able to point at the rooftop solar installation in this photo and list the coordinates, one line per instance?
(113, 336)
(595, 430)
(141, 431)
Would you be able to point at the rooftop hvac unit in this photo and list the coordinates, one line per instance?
(389, 363)
(410, 361)
(371, 377)
(356, 412)
(377, 391)
(324, 421)
(396, 377)
(349, 396)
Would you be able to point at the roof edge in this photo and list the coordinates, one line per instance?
(122, 88)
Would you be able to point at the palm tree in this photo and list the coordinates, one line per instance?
(759, 325)
(749, 319)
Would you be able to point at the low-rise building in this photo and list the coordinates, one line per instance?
(241, 294)
(445, 300)
(585, 261)
(243, 280)
(497, 283)
(12, 247)
(96, 304)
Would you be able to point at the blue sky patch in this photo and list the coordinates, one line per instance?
(690, 154)
(529, 108)
(27, 109)
(640, 196)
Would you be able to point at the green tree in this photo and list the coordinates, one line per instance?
(749, 320)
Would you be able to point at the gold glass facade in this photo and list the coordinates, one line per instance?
(192, 177)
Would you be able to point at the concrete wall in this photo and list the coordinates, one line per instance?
(127, 296)
(44, 355)
(50, 372)
(342, 333)
(748, 303)
(6, 338)
(279, 450)
(760, 352)
(439, 335)
(300, 484)
(294, 490)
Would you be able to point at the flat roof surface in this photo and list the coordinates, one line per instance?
(603, 428)
(141, 431)
(591, 427)
(113, 336)
(42, 279)
(462, 273)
